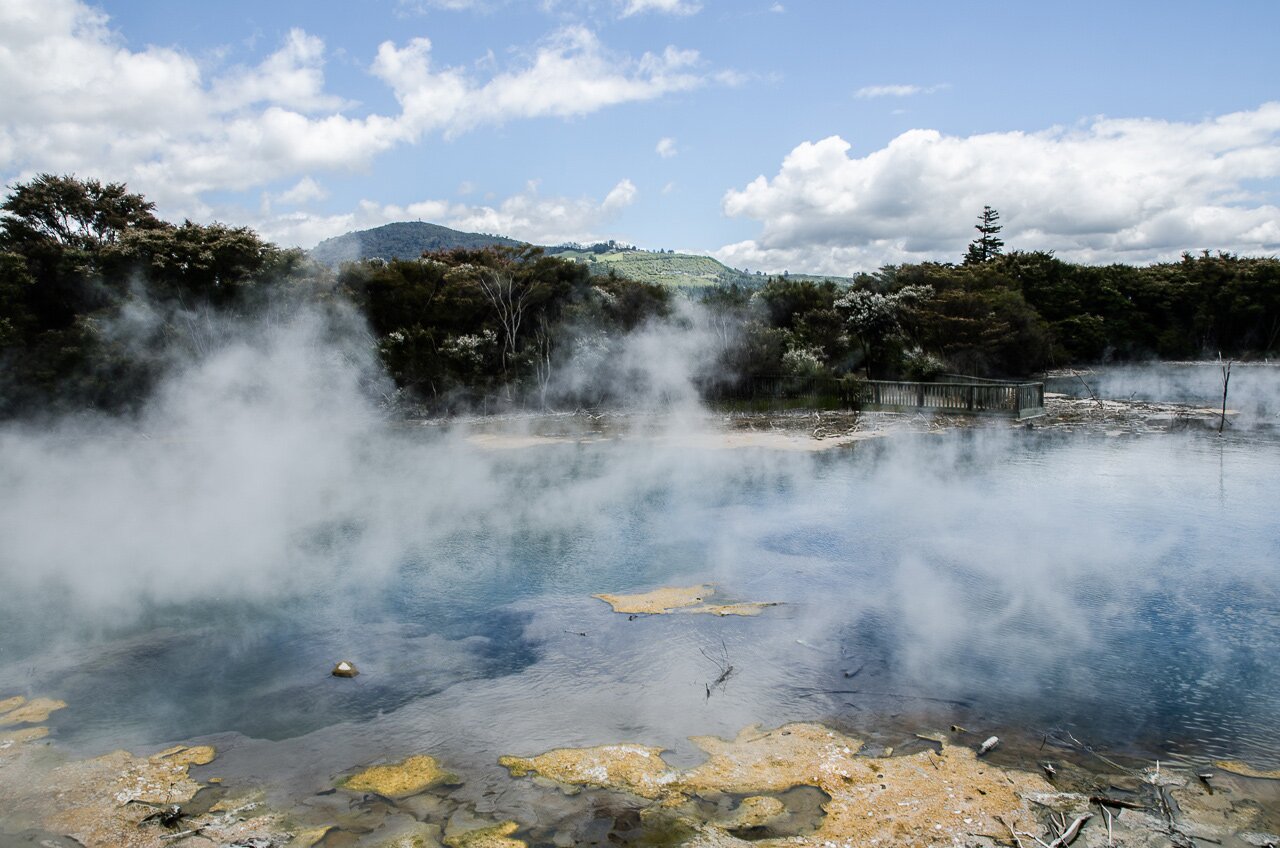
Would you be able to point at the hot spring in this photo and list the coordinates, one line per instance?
(200, 584)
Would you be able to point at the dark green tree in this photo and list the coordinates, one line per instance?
(72, 213)
(987, 245)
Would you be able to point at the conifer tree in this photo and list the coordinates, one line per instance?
(987, 245)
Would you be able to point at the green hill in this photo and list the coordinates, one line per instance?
(403, 240)
(409, 239)
(680, 270)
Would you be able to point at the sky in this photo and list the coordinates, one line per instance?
(821, 137)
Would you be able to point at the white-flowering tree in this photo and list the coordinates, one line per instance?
(876, 319)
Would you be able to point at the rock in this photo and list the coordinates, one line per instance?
(498, 836)
(402, 779)
(345, 669)
(921, 799)
(686, 599)
(30, 712)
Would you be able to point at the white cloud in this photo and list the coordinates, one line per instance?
(1134, 190)
(668, 7)
(666, 148)
(422, 7)
(78, 99)
(305, 191)
(292, 77)
(570, 74)
(528, 215)
(899, 90)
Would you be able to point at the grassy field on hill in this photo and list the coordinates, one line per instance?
(681, 270)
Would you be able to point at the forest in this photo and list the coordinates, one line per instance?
(81, 260)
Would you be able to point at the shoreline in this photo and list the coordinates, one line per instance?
(932, 786)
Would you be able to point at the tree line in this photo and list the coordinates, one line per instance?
(507, 322)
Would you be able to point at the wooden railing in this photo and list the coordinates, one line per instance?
(974, 397)
(1023, 400)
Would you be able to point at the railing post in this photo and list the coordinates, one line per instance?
(973, 392)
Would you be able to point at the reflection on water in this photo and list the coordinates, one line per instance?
(1126, 589)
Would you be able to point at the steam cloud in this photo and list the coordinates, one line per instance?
(264, 470)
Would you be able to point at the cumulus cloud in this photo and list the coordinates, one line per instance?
(305, 191)
(666, 148)
(529, 216)
(569, 74)
(78, 99)
(1128, 190)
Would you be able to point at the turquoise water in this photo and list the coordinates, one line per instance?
(1125, 589)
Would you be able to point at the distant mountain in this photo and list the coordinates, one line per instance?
(403, 240)
(682, 270)
(409, 239)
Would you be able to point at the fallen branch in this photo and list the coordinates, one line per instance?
(1226, 378)
(1068, 836)
(1119, 803)
(1012, 832)
(1089, 390)
(1107, 813)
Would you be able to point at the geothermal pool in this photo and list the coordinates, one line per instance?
(1126, 590)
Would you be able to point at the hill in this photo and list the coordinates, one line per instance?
(402, 240)
(409, 239)
(680, 270)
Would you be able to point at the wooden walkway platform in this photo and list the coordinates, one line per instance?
(980, 397)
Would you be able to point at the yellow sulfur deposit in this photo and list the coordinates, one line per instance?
(498, 836)
(309, 837)
(757, 810)
(181, 755)
(104, 801)
(679, 599)
(400, 780)
(30, 712)
(659, 601)
(922, 799)
(1245, 770)
(18, 737)
(637, 769)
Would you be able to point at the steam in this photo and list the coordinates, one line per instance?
(264, 465)
(265, 476)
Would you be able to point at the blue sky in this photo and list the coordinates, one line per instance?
(826, 137)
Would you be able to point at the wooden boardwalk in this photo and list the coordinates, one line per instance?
(980, 397)
(953, 394)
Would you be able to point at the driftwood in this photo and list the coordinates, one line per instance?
(1118, 803)
(1107, 813)
(1226, 378)
(1089, 390)
(722, 663)
(1072, 742)
(1072, 831)
(1012, 832)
